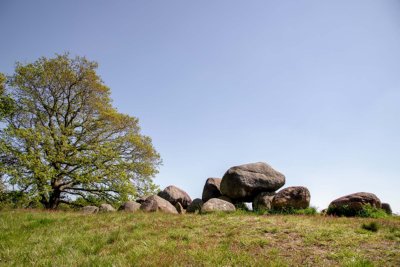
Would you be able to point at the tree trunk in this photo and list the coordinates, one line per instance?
(53, 201)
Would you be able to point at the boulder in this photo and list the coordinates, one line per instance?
(140, 200)
(130, 206)
(90, 209)
(295, 197)
(245, 182)
(226, 199)
(216, 204)
(211, 189)
(195, 206)
(179, 208)
(106, 208)
(352, 204)
(263, 201)
(156, 203)
(386, 207)
(174, 195)
(241, 206)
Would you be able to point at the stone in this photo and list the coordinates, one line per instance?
(174, 195)
(179, 208)
(294, 197)
(243, 183)
(386, 207)
(352, 204)
(156, 203)
(90, 209)
(226, 199)
(263, 201)
(130, 206)
(195, 206)
(216, 204)
(140, 200)
(106, 208)
(211, 189)
(241, 206)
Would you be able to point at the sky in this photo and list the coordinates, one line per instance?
(310, 87)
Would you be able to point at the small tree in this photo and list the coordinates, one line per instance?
(64, 138)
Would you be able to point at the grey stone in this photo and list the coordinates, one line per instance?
(228, 199)
(216, 204)
(352, 204)
(106, 208)
(211, 189)
(156, 203)
(130, 206)
(243, 183)
(195, 206)
(263, 201)
(174, 195)
(140, 200)
(296, 197)
(386, 207)
(179, 208)
(90, 209)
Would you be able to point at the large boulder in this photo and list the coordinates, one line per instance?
(263, 201)
(386, 207)
(211, 189)
(245, 182)
(179, 208)
(90, 209)
(226, 199)
(174, 195)
(352, 204)
(216, 204)
(130, 206)
(106, 208)
(295, 197)
(195, 206)
(156, 203)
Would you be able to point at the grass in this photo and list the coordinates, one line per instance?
(43, 238)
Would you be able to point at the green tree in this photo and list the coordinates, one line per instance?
(64, 139)
(6, 103)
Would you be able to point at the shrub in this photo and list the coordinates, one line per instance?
(367, 211)
(371, 212)
(372, 226)
(306, 211)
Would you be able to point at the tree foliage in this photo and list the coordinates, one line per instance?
(65, 140)
(6, 103)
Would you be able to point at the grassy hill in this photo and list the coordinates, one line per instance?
(240, 239)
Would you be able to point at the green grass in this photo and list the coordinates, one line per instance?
(154, 239)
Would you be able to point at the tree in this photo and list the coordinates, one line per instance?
(64, 140)
(6, 103)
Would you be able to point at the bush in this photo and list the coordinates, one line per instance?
(371, 212)
(306, 211)
(372, 226)
(367, 211)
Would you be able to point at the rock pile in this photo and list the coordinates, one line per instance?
(253, 182)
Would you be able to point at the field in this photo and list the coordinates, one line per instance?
(241, 239)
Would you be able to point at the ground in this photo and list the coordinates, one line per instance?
(154, 239)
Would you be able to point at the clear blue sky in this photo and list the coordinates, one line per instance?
(311, 87)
